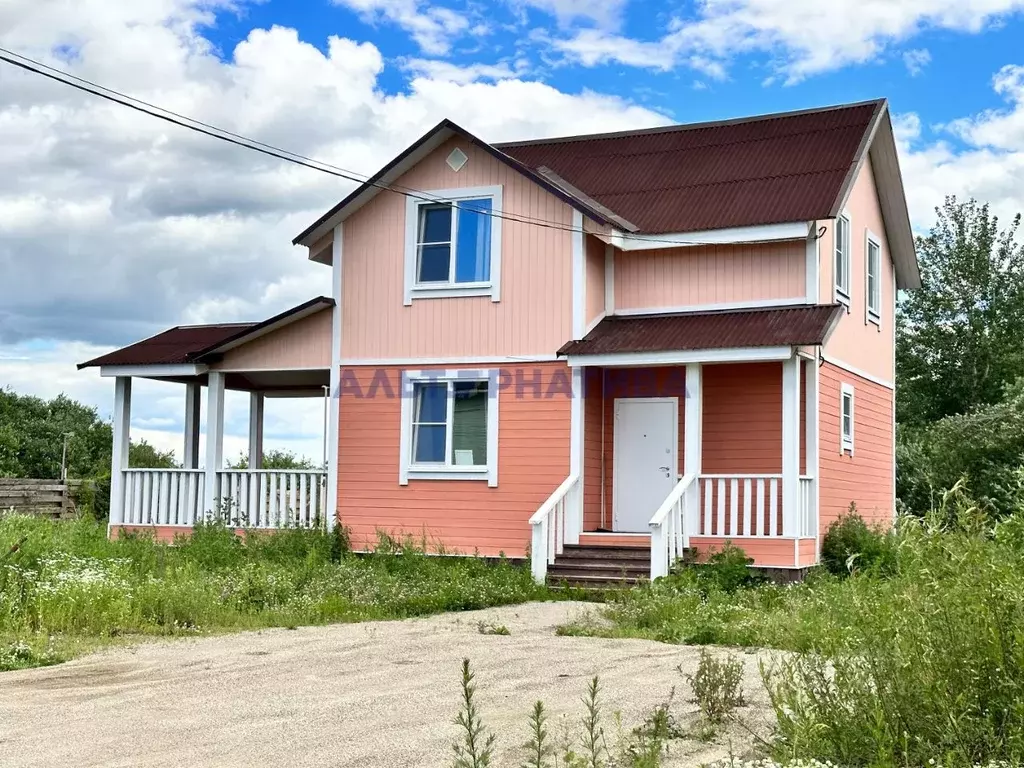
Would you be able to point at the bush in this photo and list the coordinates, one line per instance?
(986, 445)
(716, 686)
(929, 664)
(851, 545)
(69, 578)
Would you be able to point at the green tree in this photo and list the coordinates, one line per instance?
(33, 432)
(959, 336)
(276, 459)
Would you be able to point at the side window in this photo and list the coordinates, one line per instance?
(846, 419)
(842, 260)
(873, 267)
(453, 244)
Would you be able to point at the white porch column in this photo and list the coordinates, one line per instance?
(333, 410)
(693, 445)
(811, 427)
(791, 446)
(574, 523)
(256, 400)
(122, 439)
(192, 405)
(214, 437)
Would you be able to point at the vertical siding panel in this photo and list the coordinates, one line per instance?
(856, 342)
(672, 277)
(533, 316)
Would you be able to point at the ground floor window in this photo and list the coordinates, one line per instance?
(449, 425)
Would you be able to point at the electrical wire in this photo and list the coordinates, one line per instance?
(153, 110)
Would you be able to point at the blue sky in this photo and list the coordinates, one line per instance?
(134, 226)
(939, 73)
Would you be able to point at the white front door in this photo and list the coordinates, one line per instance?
(646, 465)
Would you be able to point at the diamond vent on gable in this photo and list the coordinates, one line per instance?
(456, 159)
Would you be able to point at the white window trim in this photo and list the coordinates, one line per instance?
(406, 468)
(846, 442)
(870, 315)
(490, 288)
(839, 294)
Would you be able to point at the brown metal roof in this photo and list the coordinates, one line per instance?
(173, 346)
(771, 327)
(686, 178)
(194, 343)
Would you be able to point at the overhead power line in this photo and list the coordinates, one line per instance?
(183, 121)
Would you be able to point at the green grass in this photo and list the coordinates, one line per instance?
(918, 656)
(65, 588)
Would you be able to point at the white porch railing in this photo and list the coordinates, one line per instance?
(671, 524)
(245, 498)
(808, 512)
(741, 505)
(556, 523)
(271, 498)
(163, 496)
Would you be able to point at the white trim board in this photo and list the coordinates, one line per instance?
(153, 371)
(593, 324)
(683, 308)
(680, 357)
(579, 277)
(765, 233)
(857, 372)
(354, 362)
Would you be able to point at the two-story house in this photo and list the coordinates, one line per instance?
(639, 342)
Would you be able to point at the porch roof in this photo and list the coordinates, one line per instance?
(200, 343)
(805, 325)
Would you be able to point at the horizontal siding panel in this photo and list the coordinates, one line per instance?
(463, 515)
(865, 478)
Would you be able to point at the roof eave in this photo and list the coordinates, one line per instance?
(412, 155)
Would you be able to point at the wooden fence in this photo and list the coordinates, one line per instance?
(52, 498)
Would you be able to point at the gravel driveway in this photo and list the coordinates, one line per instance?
(368, 695)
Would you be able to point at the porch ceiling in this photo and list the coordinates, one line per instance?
(807, 325)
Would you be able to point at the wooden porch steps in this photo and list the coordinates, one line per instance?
(600, 566)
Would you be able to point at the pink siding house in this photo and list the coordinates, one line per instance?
(594, 351)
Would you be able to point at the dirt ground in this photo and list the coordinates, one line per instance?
(374, 694)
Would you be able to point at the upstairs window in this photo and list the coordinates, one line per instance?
(453, 246)
(842, 261)
(449, 426)
(846, 419)
(873, 267)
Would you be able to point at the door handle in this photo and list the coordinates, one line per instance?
(665, 469)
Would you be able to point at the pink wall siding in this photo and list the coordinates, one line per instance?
(534, 314)
(675, 277)
(866, 477)
(856, 342)
(593, 413)
(462, 515)
(306, 343)
(594, 277)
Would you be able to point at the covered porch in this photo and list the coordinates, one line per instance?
(677, 449)
(287, 356)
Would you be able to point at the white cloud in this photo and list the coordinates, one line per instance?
(433, 29)
(986, 160)
(604, 13)
(802, 37)
(438, 69)
(915, 60)
(114, 225)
